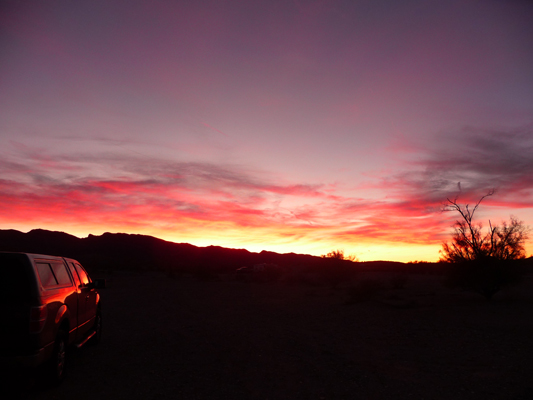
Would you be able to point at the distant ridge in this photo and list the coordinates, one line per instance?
(142, 252)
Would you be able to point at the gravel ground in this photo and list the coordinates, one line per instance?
(184, 339)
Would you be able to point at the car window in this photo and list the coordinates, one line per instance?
(74, 274)
(82, 274)
(46, 275)
(60, 272)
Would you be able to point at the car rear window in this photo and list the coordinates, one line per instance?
(53, 273)
(46, 275)
(15, 277)
(60, 271)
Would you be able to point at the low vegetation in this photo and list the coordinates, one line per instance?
(338, 268)
(339, 255)
(482, 262)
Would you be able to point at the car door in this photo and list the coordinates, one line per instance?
(80, 310)
(87, 299)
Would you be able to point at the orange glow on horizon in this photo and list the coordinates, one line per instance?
(280, 242)
(381, 231)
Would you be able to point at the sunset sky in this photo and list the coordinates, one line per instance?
(289, 126)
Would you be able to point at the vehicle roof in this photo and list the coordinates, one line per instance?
(35, 255)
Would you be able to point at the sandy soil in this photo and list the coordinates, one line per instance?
(184, 339)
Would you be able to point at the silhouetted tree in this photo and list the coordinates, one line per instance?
(339, 255)
(338, 267)
(469, 243)
(481, 261)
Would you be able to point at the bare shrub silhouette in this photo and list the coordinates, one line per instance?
(482, 262)
(339, 255)
(338, 267)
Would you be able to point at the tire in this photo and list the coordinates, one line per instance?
(97, 329)
(55, 367)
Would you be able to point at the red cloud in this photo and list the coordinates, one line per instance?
(207, 199)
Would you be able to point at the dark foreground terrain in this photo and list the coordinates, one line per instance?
(170, 338)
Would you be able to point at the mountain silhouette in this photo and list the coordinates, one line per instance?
(141, 252)
(111, 251)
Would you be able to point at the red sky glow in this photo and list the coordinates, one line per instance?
(268, 125)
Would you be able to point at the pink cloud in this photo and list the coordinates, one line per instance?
(142, 192)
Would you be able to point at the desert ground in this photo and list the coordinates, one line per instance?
(181, 338)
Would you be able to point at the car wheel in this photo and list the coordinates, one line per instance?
(55, 367)
(97, 329)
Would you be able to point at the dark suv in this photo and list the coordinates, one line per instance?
(47, 304)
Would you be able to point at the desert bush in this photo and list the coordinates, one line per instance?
(506, 242)
(337, 268)
(339, 255)
(482, 262)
